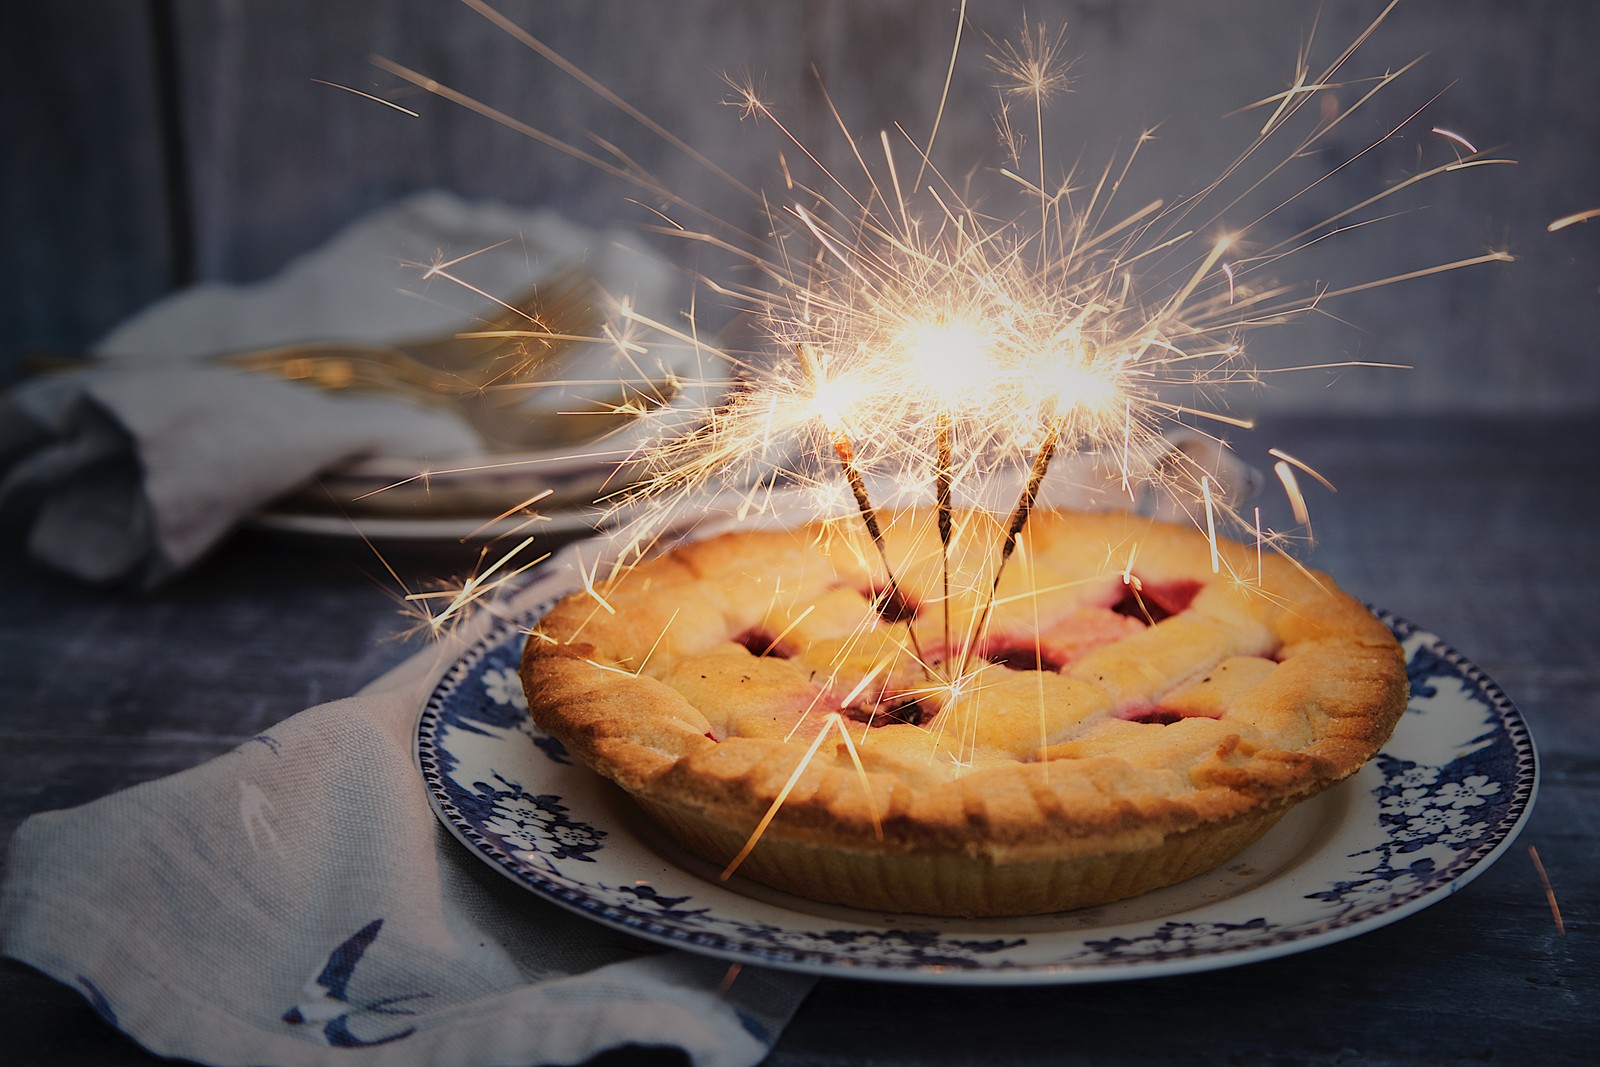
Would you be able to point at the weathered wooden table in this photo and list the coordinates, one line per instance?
(1484, 531)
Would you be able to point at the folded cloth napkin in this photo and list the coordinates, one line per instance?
(296, 902)
(133, 474)
(134, 469)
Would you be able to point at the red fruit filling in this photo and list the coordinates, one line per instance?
(761, 643)
(1153, 601)
(1158, 716)
(892, 605)
(912, 711)
(1022, 657)
(1065, 642)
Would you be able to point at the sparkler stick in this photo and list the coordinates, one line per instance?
(845, 452)
(869, 514)
(1017, 521)
(941, 480)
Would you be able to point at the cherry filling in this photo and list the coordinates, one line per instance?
(892, 604)
(1144, 602)
(1158, 716)
(1151, 602)
(759, 642)
(892, 710)
(1022, 657)
(1150, 716)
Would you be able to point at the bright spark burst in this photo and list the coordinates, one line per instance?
(746, 97)
(928, 327)
(1033, 66)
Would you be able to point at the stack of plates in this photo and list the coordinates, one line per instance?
(471, 498)
(563, 487)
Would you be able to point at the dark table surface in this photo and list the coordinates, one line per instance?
(1483, 530)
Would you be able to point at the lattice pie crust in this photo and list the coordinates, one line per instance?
(1130, 718)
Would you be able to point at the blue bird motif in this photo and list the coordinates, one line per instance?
(326, 999)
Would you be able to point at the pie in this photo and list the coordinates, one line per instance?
(1131, 706)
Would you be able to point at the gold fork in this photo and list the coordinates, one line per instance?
(478, 374)
(519, 344)
(495, 409)
(482, 374)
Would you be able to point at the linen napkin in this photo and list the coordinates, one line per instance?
(296, 902)
(134, 469)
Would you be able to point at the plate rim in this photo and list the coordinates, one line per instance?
(1471, 862)
(465, 529)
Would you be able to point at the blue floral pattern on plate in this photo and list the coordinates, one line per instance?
(1444, 799)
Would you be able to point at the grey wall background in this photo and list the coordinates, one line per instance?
(153, 144)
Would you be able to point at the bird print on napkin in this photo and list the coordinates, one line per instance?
(326, 997)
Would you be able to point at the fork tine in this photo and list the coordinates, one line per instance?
(531, 314)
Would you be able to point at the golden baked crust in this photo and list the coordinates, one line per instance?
(1129, 718)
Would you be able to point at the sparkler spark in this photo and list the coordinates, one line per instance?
(835, 722)
(1549, 891)
(1574, 219)
(1032, 66)
(1291, 486)
(368, 96)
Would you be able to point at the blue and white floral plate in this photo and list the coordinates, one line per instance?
(1442, 801)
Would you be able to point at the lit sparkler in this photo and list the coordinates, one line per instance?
(937, 341)
(845, 453)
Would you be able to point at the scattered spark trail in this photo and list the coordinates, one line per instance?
(1572, 220)
(1211, 524)
(1291, 486)
(1258, 546)
(368, 96)
(1457, 138)
(834, 721)
(914, 335)
(1549, 891)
